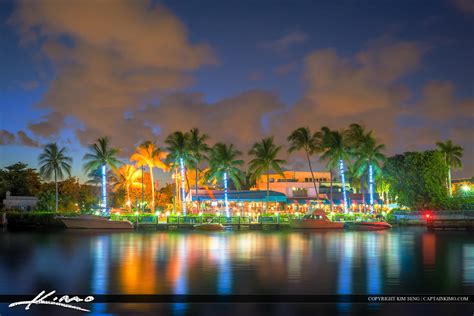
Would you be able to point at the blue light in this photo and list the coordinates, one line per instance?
(343, 180)
(104, 190)
(371, 188)
(225, 196)
(183, 192)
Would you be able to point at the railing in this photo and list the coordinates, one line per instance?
(265, 219)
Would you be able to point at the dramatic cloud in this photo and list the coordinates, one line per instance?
(364, 88)
(124, 56)
(50, 125)
(7, 138)
(466, 6)
(237, 119)
(439, 103)
(285, 42)
(367, 89)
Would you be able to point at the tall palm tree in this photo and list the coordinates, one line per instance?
(100, 156)
(179, 155)
(150, 155)
(265, 153)
(335, 152)
(302, 139)
(353, 178)
(53, 161)
(198, 149)
(126, 177)
(224, 164)
(368, 156)
(452, 154)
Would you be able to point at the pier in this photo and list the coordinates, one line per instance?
(233, 223)
(450, 224)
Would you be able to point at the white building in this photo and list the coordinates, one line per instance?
(23, 203)
(299, 184)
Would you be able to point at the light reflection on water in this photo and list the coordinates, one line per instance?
(336, 262)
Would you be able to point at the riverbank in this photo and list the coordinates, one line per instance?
(162, 221)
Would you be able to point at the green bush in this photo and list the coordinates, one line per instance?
(417, 179)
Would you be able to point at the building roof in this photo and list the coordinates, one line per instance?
(242, 196)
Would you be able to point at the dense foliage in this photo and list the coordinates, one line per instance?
(18, 179)
(417, 179)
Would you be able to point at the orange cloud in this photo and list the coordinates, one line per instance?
(108, 59)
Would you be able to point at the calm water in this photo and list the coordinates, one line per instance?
(399, 261)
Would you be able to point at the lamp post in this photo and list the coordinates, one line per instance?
(226, 201)
(343, 180)
(183, 192)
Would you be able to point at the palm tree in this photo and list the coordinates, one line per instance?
(353, 178)
(367, 154)
(100, 156)
(302, 139)
(53, 161)
(179, 155)
(148, 154)
(198, 148)
(335, 151)
(223, 164)
(265, 153)
(126, 177)
(452, 154)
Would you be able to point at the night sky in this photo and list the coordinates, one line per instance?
(72, 71)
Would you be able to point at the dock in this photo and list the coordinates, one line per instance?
(234, 224)
(450, 224)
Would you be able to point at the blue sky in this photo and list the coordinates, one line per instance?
(283, 51)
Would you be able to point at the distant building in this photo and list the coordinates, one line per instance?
(463, 185)
(299, 184)
(23, 203)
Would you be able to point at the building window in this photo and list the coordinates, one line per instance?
(300, 193)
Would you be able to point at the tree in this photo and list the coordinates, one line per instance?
(452, 155)
(368, 156)
(18, 179)
(179, 155)
(335, 152)
(126, 177)
(224, 164)
(302, 139)
(353, 178)
(54, 162)
(417, 179)
(148, 154)
(198, 150)
(100, 156)
(265, 153)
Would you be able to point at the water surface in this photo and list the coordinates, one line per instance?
(398, 261)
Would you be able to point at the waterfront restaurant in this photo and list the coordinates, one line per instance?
(241, 203)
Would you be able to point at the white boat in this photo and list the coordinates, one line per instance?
(94, 222)
(316, 219)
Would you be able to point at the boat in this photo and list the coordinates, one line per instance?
(316, 219)
(209, 227)
(94, 222)
(367, 225)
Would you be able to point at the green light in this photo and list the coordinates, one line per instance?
(466, 188)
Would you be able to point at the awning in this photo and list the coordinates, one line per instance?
(242, 196)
